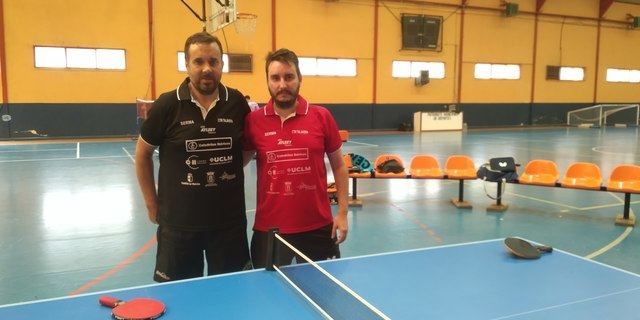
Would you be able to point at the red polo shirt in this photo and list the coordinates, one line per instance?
(292, 178)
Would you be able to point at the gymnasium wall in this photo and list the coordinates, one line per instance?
(63, 103)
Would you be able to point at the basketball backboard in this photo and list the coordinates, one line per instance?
(220, 13)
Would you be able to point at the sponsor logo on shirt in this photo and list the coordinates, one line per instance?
(269, 133)
(306, 187)
(208, 144)
(300, 131)
(288, 155)
(208, 130)
(220, 160)
(288, 191)
(211, 179)
(194, 163)
(299, 170)
(225, 120)
(273, 172)
(186, 122)
(282, 142)
(190, 181)
(272, 189)
(227, 177)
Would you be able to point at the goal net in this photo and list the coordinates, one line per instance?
(605, 115)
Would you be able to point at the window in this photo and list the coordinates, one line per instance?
(327, 67)
(79, 58)
(411, 69)
(565, 73)
(497, 71)
(232, 62)
(623, 75)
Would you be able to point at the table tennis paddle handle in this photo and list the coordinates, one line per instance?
(110, 302)
(545, 249)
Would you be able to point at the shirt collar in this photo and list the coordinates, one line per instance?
(183, 93)
(301, 109)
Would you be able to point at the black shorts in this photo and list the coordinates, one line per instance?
(181, 253)
(315, 244)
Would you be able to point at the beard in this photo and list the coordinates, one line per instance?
(288, 100)
(207, 88)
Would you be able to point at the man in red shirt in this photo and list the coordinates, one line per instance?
(291, 138)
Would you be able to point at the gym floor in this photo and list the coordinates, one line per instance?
(72, 219)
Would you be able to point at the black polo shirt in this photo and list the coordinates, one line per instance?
(200, 181)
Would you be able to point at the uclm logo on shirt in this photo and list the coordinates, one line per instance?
(299, 170)
(282, 142)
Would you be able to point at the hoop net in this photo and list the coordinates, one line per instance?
(245, 24)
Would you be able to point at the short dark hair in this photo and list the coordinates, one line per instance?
(283, 55)
(201, 37)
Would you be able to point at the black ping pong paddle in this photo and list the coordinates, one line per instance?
(134, 309)
(525, 250)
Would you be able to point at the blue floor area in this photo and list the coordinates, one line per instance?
(72, 218)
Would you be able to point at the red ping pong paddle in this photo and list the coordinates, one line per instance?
(525, 250)
(135, 309)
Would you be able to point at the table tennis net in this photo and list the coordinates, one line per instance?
(330, 296)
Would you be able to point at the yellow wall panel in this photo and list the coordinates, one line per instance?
(570, 44)
(403, 90)
(326, 28)
(490, 37)
(523, 5)
(619, 11)
(619, 49)
(75, 23)
(581, 8)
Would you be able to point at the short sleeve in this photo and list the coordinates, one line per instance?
(152, 130)
(332, 141)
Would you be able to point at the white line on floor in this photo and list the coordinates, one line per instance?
(129, 154)
(615, 242)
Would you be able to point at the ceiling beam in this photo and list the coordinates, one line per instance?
(604, 6)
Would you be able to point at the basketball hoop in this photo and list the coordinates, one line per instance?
(245, 24)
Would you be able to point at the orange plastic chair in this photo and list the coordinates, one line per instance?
(425, 167)
(347, 162)
(344, 135)
(381, 159)
(582, 175)
(460, 167)
(625, 178)
(540, 172)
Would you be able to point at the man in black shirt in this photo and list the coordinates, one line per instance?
(199, 204)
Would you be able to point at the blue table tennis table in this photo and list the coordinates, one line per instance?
(478, 280)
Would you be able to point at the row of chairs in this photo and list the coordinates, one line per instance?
(581, 175)
(624, 178)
